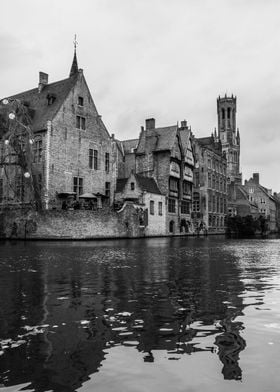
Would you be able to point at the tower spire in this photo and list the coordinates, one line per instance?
(74, 68)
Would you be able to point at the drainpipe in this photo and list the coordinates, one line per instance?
(48, 140)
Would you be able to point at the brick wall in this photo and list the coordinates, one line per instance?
(69, 146)
(70, 224)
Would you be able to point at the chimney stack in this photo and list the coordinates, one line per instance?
(256, 178)
(43, 80)
(184, 124)
(150, 123)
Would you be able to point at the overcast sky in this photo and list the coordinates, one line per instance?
(168, 59)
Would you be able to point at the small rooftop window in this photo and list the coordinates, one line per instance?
(51, 98)
(80, 101)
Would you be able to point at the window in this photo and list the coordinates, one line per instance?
(187, 188)
(228, 112)
(107, 162)
(80, 122)
(1, 189)
(223, 113)
(38, 149)
(185, 207)
(108, 189)
(196, 202)
(80, 101)
(39, 179)
(90, 158)
(78, 186)
(171, 226)
(160, 208)
(152, 207)
(171, 205)
(262, 201)
(95, 159)
(173, 184)
(209, 180)
(132, 186)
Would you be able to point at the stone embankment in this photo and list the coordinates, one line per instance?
(77, 224)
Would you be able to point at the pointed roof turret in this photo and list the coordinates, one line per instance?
(74, 68)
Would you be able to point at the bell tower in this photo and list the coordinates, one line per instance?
(229, 136)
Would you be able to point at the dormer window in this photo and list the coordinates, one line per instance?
(50, 99)
(80, 101)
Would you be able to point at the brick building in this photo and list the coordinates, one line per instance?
(210, 185)
(166, 154)
(73, 151)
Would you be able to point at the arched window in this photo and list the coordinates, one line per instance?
(228, 112)
(171, 227)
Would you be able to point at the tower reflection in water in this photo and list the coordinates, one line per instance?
(172, 295)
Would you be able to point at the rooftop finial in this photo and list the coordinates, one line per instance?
(75, 42)
(74, 68)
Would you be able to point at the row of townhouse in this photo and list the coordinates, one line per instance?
(181, 183)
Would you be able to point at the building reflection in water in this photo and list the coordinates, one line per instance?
(170, 294)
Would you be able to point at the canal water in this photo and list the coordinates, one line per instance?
(168, 314)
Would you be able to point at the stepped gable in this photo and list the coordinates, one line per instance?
(39, 104)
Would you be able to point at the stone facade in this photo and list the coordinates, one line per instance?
(210, 186)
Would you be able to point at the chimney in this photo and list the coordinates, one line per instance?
(256, 178)
(184, 124)
(150, 123)
(43, 80)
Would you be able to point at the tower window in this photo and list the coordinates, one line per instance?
(228, 113)
(223, 113)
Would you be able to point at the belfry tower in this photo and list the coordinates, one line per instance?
(229, 137)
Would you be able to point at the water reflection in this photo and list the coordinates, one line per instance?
(62, 307)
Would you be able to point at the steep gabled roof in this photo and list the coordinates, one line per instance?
(145, 183)
(38, 101)
(129, 145)
(158, 139)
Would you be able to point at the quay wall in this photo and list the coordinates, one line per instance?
(77, 224)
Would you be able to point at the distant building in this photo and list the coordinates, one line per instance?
(144, 193)
(263, 198)
(166, 154)
(73, 151)
(210, 185)
(240, 203)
